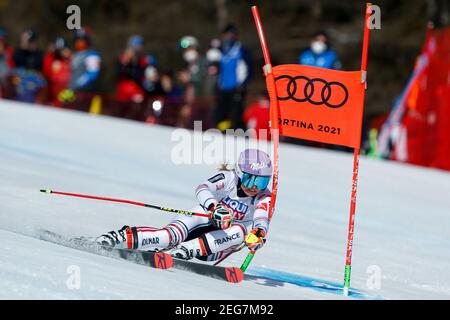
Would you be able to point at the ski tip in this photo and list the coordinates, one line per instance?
(234, 275)
(48, 191)
(163, 260)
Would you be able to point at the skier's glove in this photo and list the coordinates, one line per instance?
(255, 240)
(221, 216)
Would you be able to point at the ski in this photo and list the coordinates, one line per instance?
(229, 274)
(158, 260)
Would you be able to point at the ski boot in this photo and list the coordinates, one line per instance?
(184, 252)
(115, 239)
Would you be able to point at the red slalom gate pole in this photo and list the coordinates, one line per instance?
(141, 204)
(262, 38)
(351, 224)
(273, 125)
(273, 108)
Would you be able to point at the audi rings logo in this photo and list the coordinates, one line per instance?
(332, 94)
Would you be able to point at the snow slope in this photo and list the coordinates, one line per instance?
(402, 219)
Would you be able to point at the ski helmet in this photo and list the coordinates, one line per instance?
(254, 168)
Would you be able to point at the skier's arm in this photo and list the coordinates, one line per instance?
(256, 238)
(261, 216)
(213, 190)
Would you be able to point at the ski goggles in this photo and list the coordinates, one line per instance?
(249, 180)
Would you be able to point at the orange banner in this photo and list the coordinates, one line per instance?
(318, 104)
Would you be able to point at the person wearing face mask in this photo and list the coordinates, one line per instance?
(235, 73)
(194, 63)
(320, 54)
(193, 78)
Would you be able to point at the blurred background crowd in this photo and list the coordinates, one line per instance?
(210, 86)
(173, 62)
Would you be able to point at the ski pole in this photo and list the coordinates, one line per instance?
(251, 239)
(177, 211)
(247, 260)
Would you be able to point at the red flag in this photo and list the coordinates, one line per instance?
(318, 104)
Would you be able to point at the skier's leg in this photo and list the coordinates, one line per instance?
(214, 242)
(150, 238)
(217, 256)
(171, 235)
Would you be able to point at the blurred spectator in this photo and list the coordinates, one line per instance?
(320, 54)
(85, 68)
(132, 64)
(209, 98)
(151, 82)
(57, 71)
(195, 64)
(173, 98)
(256, 117)
(28, 59)
(213, 56)
(194, 80)
(184, 117)
(235, 72)
(370, 144)
(28, 55)
(6, 64)
(169, 87)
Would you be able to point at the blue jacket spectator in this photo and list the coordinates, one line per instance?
(235, 63)
(320, 54)
(85, 63)
(235, 72)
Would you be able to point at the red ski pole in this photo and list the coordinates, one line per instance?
(177, 211)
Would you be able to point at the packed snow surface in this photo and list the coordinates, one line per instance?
(402, 232)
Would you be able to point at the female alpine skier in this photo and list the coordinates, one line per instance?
(238, 201)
